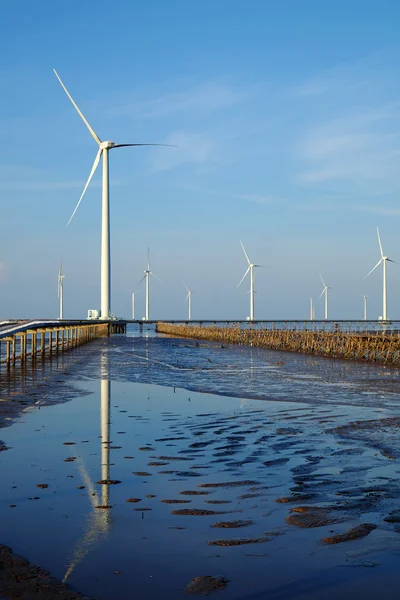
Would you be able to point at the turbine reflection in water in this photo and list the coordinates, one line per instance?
(99, 519)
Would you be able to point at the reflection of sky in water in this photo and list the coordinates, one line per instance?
(65, 532)
(250, 372)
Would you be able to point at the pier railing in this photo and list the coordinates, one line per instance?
(38, 339)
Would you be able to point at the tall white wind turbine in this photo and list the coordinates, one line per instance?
(147, 274)
(325, 291)
(104, 148)
(60, 284)
(383, 260)
(189, 300)
(250, 269)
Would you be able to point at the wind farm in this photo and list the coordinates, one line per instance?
(211, 405)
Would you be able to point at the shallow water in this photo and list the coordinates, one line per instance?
(272, 438)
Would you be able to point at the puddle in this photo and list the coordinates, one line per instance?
(98, 515)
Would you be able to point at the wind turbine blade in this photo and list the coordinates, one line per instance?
(248, 269)
(148, 259)
(151, 273)
(124, 145)
(377, 265)
(95, 164)
(185, 286)
(94, 134)
(245, 253)
(322, 293)
(262, 266)
(323, 282)
(379, 240)
(393, 261)
(144, 277)
(187, 296)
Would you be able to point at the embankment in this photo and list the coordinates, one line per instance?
(372, 347)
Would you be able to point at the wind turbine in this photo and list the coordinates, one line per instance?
(60, 285)
(365, 306)
(104, 148)
(312, 310)
(251, 269)
(189, 299)
(147, 274)
(382, 260)
(133, 306)
(133, 294)
(325, 291)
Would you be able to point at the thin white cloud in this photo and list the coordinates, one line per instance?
(43, 186)
(205, 98)
(356, 148)
(25, 178)
(380, 210)
(374, 70)
(259, 198)
(351, 133)
(190, 148)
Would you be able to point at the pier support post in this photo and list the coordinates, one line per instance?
(8, 352)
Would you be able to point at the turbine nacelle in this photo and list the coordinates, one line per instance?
(106, 145)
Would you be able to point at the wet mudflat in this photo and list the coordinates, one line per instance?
(131, 488)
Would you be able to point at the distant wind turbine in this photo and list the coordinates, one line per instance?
(312, 311)
(133, 294)
(133, 306)
(251, 269)
(365, 306)
(104, 148)
(147, 274)
(60, 285)
(325, 291)
(382, 260)
(189, 300)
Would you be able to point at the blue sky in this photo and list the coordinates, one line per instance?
(286, 118)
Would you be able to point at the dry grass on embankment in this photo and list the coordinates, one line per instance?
(372, 347)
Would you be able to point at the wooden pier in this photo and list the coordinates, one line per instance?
(372, 346)
(39, 340)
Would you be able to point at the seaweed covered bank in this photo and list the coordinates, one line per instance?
(383, 347)
(26, 581)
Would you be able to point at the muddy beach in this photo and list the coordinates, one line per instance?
(152, 473)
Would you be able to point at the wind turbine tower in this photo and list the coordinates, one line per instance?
(325, 291)
(147, 274)
(250, 269)
(60, 285)
(383, 260)
(133, 306)
(189, 300)
(103, 150)
(365, 306)
(312, 310)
